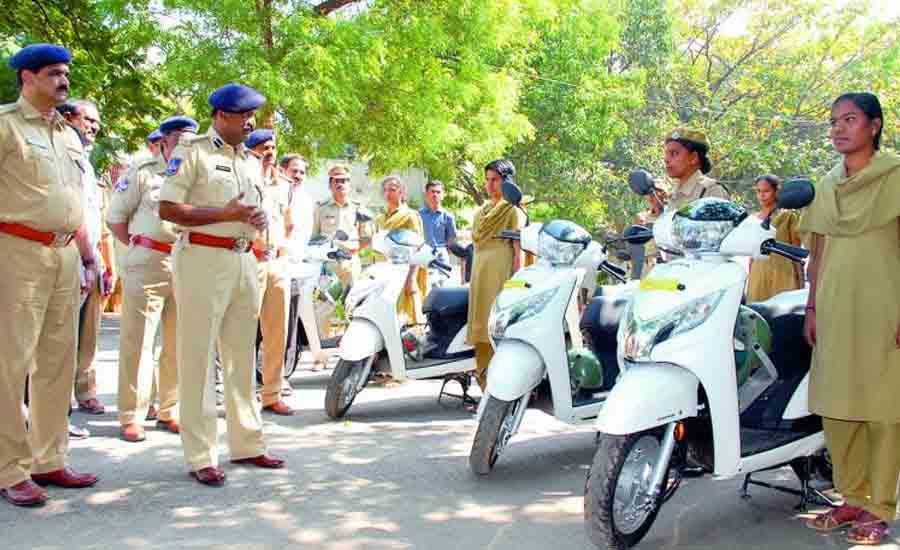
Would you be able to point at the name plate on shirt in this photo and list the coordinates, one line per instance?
(223, 168)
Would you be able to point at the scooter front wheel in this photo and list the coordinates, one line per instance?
(347, 380)
(618, 509)
(494, 431)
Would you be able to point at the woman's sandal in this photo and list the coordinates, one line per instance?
(835, 519)
(869, 533)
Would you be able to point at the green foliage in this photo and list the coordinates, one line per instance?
(110, 41)
(576, 92)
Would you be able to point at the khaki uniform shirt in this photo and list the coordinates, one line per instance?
(136, 201)
(696, 187)
(206, 172)
(275, 203)
(330, 216)
(41, 168)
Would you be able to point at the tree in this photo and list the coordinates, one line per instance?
(109, 40)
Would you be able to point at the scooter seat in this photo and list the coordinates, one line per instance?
(447, 302)
(599, 326)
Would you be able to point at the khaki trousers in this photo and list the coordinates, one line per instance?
(484, 352)
(275, 295)
(217, 295)
(39, 295)
(88, 333)
(149, 302)
(866, 460)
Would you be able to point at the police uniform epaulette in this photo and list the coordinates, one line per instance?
(322, 202)
(192, 139)
(9, 108)
(146, 162)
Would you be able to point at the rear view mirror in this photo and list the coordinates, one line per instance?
(341, 235)
(637, 234)
(796, 193)
(641, 182)
(511, 192)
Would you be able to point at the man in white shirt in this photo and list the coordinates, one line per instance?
(299, 219)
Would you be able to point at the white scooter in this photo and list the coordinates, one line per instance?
(536, 332)
(378, 341)
(309, 279)
(706, 383)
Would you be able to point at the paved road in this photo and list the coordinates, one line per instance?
(393, 476)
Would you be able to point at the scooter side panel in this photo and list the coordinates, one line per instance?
(807, 446)
(515, 370)
(647, 396)
(798, 406)
(361, 340)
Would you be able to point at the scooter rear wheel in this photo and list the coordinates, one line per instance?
(347, 380)
(617, 513)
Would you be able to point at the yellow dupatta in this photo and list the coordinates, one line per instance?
(491, 220)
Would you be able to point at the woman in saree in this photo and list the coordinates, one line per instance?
(401, 216)
(853, 319)
(495, 260)
(775, 274)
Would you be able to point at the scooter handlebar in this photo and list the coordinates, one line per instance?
(615, 272)
(791, 252)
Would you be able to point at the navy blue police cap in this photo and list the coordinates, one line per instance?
(236, 98)
(174, 123)
(259, 136)
(35, 56)
(154, 136)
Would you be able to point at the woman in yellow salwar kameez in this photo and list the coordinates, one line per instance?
(401, 216)
(775, 274)
(853, 320)
(495, 260)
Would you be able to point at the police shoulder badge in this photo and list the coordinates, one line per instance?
(121, 185)
(172, 167)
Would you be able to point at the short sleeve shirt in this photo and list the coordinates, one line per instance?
(439, 226)
(206, 172)
(331, 216)
(41, 170)
(135, 201)
(696, 187)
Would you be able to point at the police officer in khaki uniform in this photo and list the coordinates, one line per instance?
(40, 216)
(339, 212)
(148, 297)
(687, 163)
(270, 249)
(211, 194)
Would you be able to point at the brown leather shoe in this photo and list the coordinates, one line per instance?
(151, 413)
(91, 406)
(66, 478)
(279, 407)
(210, 475)
(24, 493)
(133, 433)
(169, 426)
(261, 461)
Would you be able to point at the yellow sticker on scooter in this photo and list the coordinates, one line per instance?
(667, 285)
(515, 284)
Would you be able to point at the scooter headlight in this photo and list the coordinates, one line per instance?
(503, 317)
(637, 337)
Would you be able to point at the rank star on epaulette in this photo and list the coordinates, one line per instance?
(172, 167)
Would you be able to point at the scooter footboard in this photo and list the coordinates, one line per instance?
(361, 340)
(515, 370)
(647, 396)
